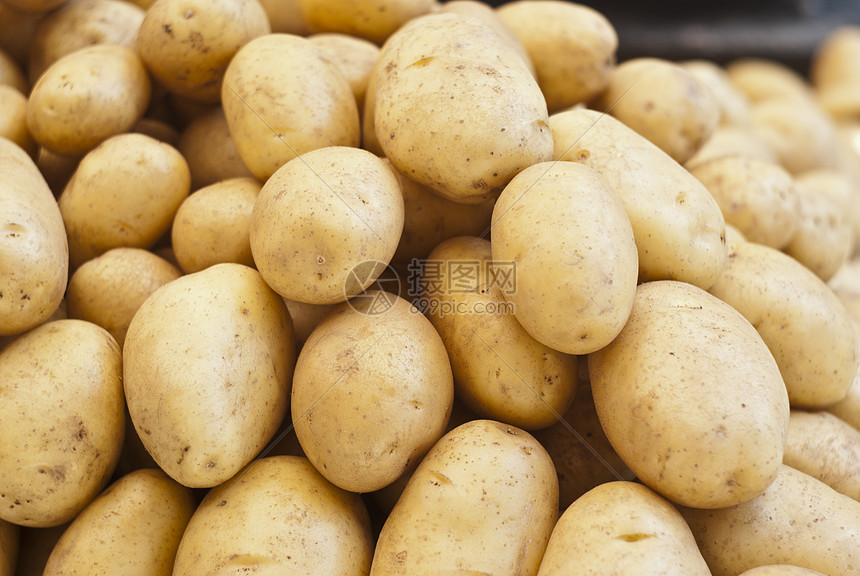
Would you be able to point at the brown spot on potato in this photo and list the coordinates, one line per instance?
(635, 537)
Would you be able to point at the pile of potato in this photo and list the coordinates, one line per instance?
(395, 287)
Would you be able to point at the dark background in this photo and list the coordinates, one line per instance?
(784, 30)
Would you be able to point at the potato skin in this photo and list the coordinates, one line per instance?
(780, 570)
(62, 418)
(691, 398)
(374, 20)
(208, 360)
(106, 537)
(209, 149)
(805, 326)
(483, 501)
(13, 122)
(278, 516)
(798, 520)
(34, 253)
(576, 271)
(624, 525)
(678, 227)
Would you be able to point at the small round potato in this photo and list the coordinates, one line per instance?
(123, 193)
(571, 46)
(213, 225)
(733, 104)
(13, 121)
(209, 149)
(322, 221)
(353, 56)
(109, 289)
(798, 131)
(836, 74)
(731, 141)
(279, 516)
(840, 186)
(372, 391)
(62, 421)
(374, 20)
(759, 80)
(187, 44)
(86, 97)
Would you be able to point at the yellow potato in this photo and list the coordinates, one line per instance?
(460, 117)
(760, 79)
(13, 121)
(571, 46)
(34, 254)
(798, 520)
(483, 501)
(500, 371)
(734, 106)
(807, 329)
(81, 24)
(123, 193)
(626, 526)
(213, 225)
(691, 398)
(188, 44)
(846, 285)
(780, 570)
(798, 131)
(106, 537)
(731, 141)
(664, 103)
(733, 235)
(283, 98)
(758, 197)
(10, 535)
(209, 149)
(826, 448)
(278, 516)
(848, 409)
(372, 391)
(109, 289)
(86, 97)
(61, 418)
(839, 186)
(354, 57)
(10, 73)
(678, 227)
(835, 72)
(323, 222)
(576, 272)
(208, 360)
(374, 20)
(285, 16)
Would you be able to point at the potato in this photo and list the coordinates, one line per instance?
(372, 391)
(208, 361)
(283, 98)
(353, 56)
(733, 235)
(10, 535)
(483, 501)
(664, 103)
(626, 526)
(10, 73)
(691, 398)
(678, 227)
(733, 105)
(34, 254)
(123, 193)
(86, 97)
(798, 131)
(572, 47)
(576, 272)
(61, 418)
(839, 186)
(13, 122)
(846, 285)
(306, 317)
(835, 72)
(279, 516)
(460, 117)
(109, 289)
(824, 238)
(209, 149)
(797, 520)
(106, 537)
(500, 371)
(285, 16)
(780, 570)
(322, 223)
(374, 20)
(758, 197)
(213, 225)
(188, 44)
(826, 448)
(34, 6)
(81, 24)
(731, 141)
(807, 329)
(848, 409)
(760, 79)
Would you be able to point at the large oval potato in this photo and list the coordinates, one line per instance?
(372, 391)
(460, 117)
(804, 324)
(500, 371)
(34, 253)
(483, 501)
(626, 526)
(798, 520)
(62, 420)
(208, 360)
(691, 398)
(107, 533)
(279, 516)
(677, 224)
